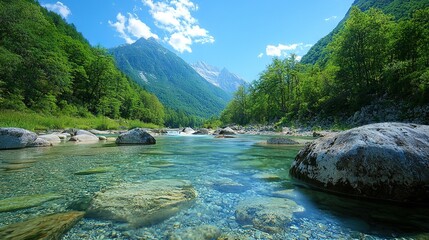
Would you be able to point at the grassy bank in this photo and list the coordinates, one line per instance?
(36, 121)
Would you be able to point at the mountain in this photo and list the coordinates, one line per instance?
(170, 78)
(224, 79)
(399, 9)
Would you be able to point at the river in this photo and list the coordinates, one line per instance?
(259, 169)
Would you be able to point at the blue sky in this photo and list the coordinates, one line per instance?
(241, 35)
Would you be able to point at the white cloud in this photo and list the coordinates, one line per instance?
(174, 17)
(330, 18)
(298, 58)
(285, 50)
(260, 55)
(59, 8)
(180, 42)
(131, 28)
(279, 50)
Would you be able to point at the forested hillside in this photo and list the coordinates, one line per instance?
(47, 66)
(374, 57)
(179, 87)
(398, 9)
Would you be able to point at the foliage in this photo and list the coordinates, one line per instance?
(48, 67)
(371, 57)
(399, 9)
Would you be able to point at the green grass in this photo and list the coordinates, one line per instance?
(37, 121)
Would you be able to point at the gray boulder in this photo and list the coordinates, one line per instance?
(144, 203)
(135, 136)
(188, 130)
(11, 138)
(40, 142)
(84, 136)
(385, 161)
(202, 131)
(227, 131)
(52, 138)
(98, 132)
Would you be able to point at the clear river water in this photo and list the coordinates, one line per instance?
(207, 163)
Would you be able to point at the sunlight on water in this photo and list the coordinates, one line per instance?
(227, 174)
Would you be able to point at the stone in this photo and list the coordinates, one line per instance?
(52, 138)
(16, 203)
(384, 161)
(84, 132)
(98, 132)
(224, 136)
(202, 131)
(40, 142)
(136, 136)
(102, 138)
(187, 130)
(12, 138)
(228, 185)
(143, 204)
(85, 138)
(95, 171)
(47, 227)
(281, 140)
(227, 131)
(267, 214)
(267, 176)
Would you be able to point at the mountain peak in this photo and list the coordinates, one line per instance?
(221, 78)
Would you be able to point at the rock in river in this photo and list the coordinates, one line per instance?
(144, 203)
(84, 136)
(267, 214)
(44, 227)
(135, 136)
(11, 138)
(385, 161)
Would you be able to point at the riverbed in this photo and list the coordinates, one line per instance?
(212, 166)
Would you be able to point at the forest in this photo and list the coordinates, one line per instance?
(373, 56)
(47, 67)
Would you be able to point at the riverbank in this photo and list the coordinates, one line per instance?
(39, 122)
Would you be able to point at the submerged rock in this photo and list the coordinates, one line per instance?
(386, 161)
(135, 136)
(44, 227)
(143, 204)
(16, 203)
(227, 185)
(281, 140)
(95, 170)
(11, 138)
(267, 214)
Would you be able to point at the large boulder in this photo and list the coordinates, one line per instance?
(202, 131)
(142, 204)
(267, 214)
(135, 136)
(227, 131)
(52, 138)
(40, 142)
(84, 137)
(11, 138)
(187, 130)
(386, 161)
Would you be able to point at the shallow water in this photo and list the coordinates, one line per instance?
(204, 161)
